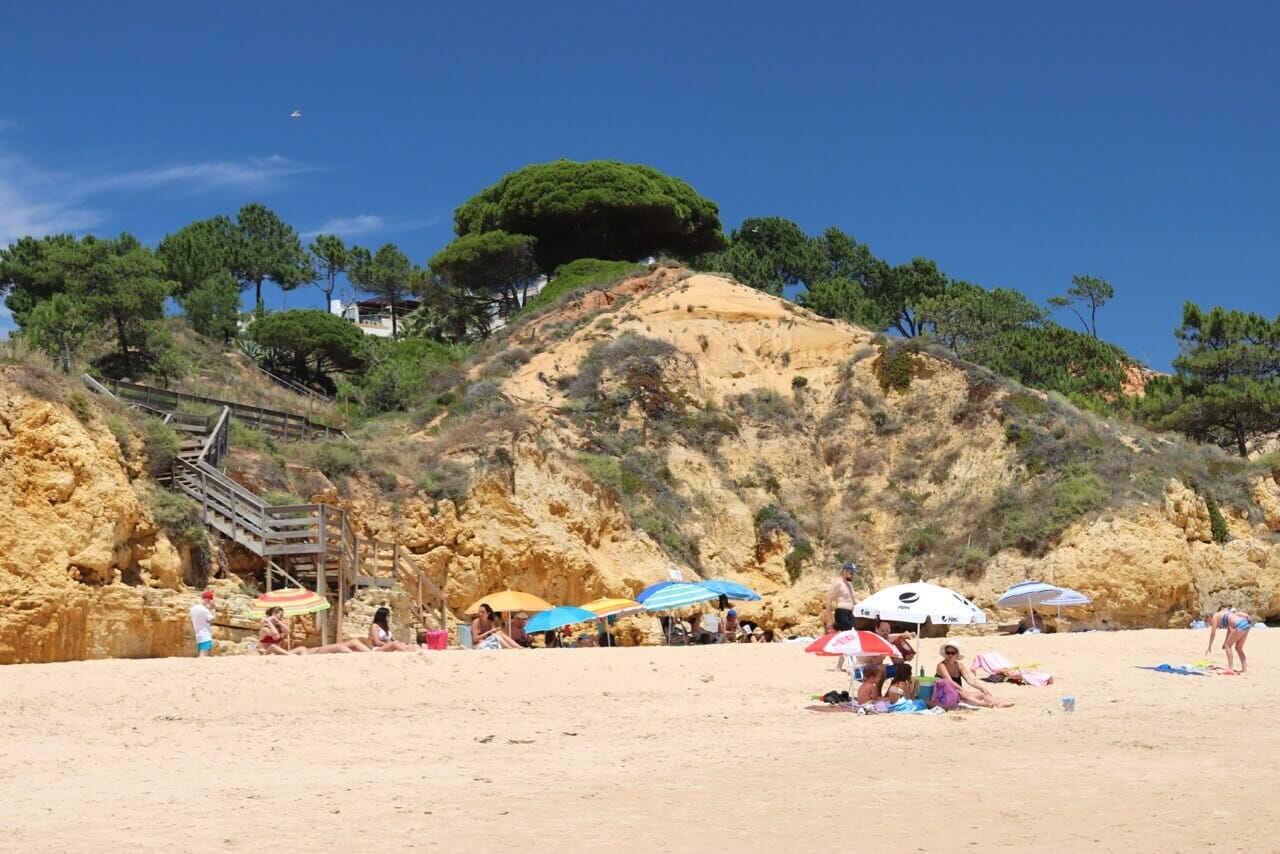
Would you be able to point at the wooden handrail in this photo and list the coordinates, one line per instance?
(271, 530)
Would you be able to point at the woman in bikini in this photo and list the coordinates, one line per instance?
(380, 634)
(486, 635)
(970, 689)
(273, 633)
(1235, 624)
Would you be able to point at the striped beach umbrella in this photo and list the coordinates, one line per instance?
(294, 600)
(678, 596)
(614, 607)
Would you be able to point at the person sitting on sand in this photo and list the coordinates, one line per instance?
(486, 635)
(970, 689)
(869, 687)
(903, 687)
(731, 629)
(518, 634)
(273, 632)
(1033, 626)
(380, 637)
(1235, 624)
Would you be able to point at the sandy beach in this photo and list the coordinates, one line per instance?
(635, 749)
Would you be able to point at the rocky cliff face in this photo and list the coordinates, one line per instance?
(674, 420)
(862, 472)
(83, 571)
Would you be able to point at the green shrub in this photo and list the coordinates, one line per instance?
(579, 274)
(80, 405)
(445, 480)
(123, 432)
(799, 382)
(162, 444)
(241, 436)
(1217, 524)
(917, 543)
(336, 458)
(179, 517)
(895, 366)
(765, 405)
(801, 551)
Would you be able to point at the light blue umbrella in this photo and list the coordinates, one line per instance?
(1067, 597)
(654, 588)
(1028, 593)
(731, 589)
(565, 615)
(678, 595)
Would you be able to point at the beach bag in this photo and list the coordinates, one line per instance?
(945, 693)
(437, 639)
(904, 647)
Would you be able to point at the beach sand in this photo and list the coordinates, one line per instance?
(636, 749)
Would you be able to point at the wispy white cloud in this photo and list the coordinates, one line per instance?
(35, 203)
(256, 172)
(349, 226)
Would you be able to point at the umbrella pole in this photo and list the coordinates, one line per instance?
(919, 650)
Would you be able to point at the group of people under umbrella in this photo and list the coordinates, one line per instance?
(917, 603)
(515, 628)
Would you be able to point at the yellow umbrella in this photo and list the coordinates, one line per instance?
(614, 607)
(511, 601)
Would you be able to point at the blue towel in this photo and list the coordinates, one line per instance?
(1179, 669)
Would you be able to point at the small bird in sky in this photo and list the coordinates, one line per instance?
(296, 114)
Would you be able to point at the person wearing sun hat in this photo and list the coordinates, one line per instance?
(971, 691)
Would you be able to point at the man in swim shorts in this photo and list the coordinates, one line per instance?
(841, 599)
(202, 623)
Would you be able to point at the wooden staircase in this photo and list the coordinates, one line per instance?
(313, 545)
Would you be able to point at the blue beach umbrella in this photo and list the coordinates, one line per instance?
(565, 615)
(731, 589)
(654, 588)
(678, 595)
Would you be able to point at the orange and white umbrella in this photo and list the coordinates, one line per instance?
(614, 607)
(294, 600)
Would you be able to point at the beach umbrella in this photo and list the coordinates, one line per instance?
(555, 618)
(853, 642)
(730, 589)
(1028, 593)
(614, 607)
(920, 603)
(654, 588)
(677, 595)
(1066, 598)
(294, 600)
(511, 601)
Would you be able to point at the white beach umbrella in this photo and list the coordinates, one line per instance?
(920, 603)
(1028, 593)
(1066, 598)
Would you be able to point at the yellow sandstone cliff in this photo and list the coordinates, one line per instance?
(863, 471)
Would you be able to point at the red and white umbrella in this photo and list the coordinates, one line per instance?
(853, 642)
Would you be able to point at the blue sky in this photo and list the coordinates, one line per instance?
(1015, 144)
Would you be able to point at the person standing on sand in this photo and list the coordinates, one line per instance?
(1235, 625)
(838, 613)
(202, 623)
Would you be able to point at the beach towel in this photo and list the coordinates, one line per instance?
(1197, 669)
(1019, 674)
